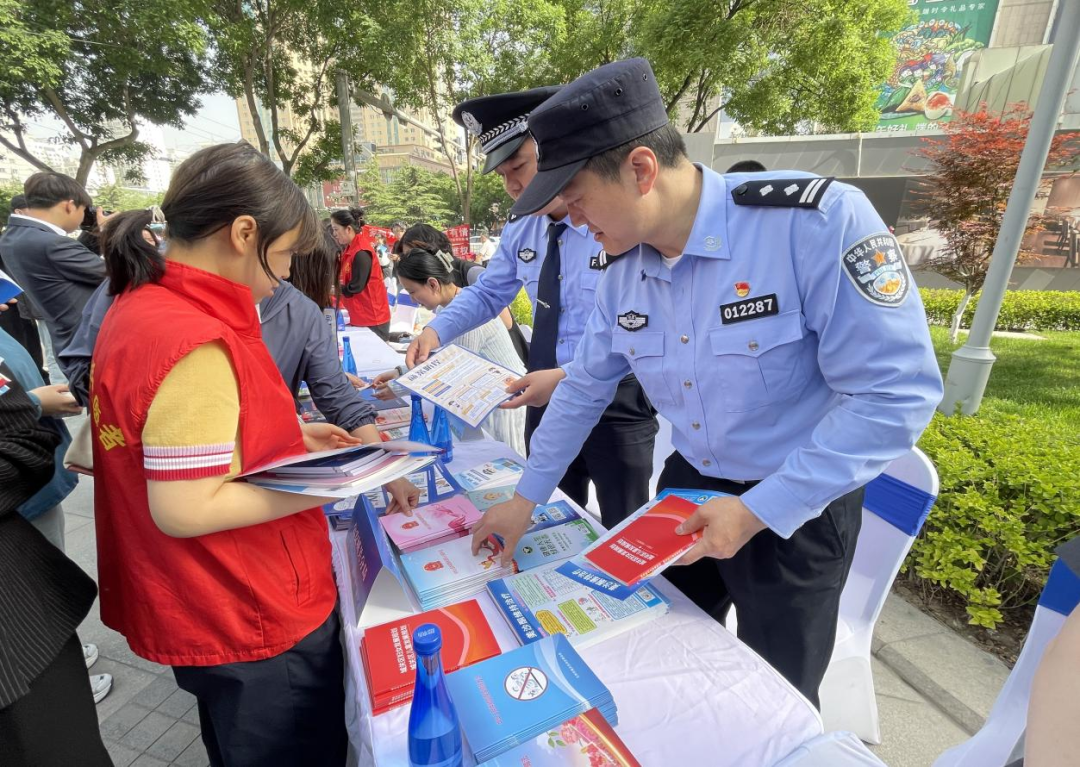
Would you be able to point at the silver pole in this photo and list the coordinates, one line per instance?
(345, 118)
(970, 367)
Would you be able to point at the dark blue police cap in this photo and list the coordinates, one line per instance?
(601, 110)
(499, 122)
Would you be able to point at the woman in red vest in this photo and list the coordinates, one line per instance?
(229, 584)
(363, 292)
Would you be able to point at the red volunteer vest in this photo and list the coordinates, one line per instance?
(370, 306)
(237, 595)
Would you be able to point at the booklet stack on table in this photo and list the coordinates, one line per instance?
(437, 522)
(587, 740)
(444, 573)
(542, 602)
(509, 700)
(389, 661)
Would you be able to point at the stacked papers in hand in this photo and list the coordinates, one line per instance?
(640, 547)
(542, 602)
(344, 472)
(389, 661)
(501, 471)
(448, 571)
(586, 740)
(509, 700)
(446, 519)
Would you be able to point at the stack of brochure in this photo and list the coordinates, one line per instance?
(389, 661)
(542, 602)
(436, 522)
(509, 700)
(587, 739)
(497, 473)
(447, 572)
(343, 472)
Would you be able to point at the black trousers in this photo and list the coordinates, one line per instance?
(56, 722)
(787, 591)
(283, 711)
(617, 456)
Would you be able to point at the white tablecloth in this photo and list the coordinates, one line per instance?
(687, 691)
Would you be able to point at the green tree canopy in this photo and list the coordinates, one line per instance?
(416, 195)
(281, 55)
(99, 67)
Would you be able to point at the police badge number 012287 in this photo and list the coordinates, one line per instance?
(876, 268)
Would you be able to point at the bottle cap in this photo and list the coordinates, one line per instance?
(427, 639)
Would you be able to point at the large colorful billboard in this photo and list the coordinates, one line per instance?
(929, 56)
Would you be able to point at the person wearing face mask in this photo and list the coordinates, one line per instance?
(560, 266)
(228, 583)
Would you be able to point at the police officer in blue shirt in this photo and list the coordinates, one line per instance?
(771, 318)
(559, 264)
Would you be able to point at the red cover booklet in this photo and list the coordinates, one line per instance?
(648, 542)
(389, 662)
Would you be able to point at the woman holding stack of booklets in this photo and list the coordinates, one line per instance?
(228, 583)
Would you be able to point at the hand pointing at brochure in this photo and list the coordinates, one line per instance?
(508, 520)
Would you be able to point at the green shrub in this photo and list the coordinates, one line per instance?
(521, 309)
(1010, 493)
(1020, 310)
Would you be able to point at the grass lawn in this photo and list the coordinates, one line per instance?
(1035, 379)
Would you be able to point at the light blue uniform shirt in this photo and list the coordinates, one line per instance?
(778, 347)
(517, 262)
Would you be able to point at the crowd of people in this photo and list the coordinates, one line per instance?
(736, 309)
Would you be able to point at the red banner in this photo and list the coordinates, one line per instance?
(459, 238)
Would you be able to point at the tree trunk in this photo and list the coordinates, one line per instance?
(958, 316)
(86, 162)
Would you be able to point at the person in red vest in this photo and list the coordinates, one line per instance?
(229, 584)
(363, 292)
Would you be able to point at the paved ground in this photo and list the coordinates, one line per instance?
(933, 688)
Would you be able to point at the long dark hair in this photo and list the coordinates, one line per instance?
(421, 264)
(430, 239)
(209, 191)
(347, 217)
(314, 274)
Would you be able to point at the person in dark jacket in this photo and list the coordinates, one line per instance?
(21, 323)
(58, 273)
(44, 596)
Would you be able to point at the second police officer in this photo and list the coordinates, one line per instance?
(559, 265)
(771, 319)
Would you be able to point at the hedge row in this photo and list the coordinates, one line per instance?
(1021, 309)
(1010, 493)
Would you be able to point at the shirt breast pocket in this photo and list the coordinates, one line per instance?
(529, 274)
(589, 278)
(760, 362)
(644, 350)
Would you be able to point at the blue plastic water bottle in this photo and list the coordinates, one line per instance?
(441, 436)
(348, 363)
(417, 428)
(341, 321)
(434, 733)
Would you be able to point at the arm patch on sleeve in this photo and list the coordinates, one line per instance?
(875, 266)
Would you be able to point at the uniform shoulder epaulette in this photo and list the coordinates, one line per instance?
(782, 192)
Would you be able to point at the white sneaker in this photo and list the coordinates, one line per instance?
(100, 684)
(90, 653)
